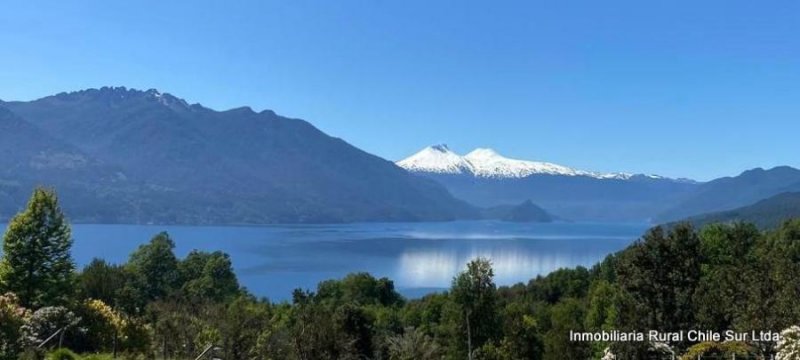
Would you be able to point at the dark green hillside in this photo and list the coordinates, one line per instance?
(235, 166)
(766, 213)
(733, 192)
(29, 156)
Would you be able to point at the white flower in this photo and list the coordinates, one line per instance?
(789, 344)
(608, 355)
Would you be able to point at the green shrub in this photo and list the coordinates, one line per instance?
(62, 354)
(31, 354)
(98, 357)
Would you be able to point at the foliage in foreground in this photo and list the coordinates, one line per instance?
(157, 305)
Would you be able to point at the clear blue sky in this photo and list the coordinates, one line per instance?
(680, 88)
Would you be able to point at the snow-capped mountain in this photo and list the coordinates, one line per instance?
(437, 159)
(487, 179)
(487, 163)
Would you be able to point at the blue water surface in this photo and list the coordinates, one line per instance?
(271, 261)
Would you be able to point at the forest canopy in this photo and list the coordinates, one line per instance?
(156, 305)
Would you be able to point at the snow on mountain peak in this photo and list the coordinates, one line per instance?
(482, 154)
(436, 159)
(484, 162)
(488, 163)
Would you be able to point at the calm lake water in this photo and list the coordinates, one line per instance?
(271, 261)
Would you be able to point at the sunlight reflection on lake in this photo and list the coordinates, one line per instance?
(433, 269)
(273, 260)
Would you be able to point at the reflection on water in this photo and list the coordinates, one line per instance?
(272, 261)
(436, 268)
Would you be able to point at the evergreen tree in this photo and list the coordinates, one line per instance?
(36, 263)
(101, 281)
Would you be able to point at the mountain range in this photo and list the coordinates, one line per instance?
(124, 155)
(487, 163)
(729, 193)
(485, 178)
(119, 155)
(767, 213)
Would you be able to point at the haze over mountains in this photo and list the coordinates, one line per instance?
(732, 192)
(767, 213)
(120, 155)
(485, 178)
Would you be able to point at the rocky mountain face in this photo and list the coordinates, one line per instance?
(163, 160)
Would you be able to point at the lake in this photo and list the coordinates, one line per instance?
(271, 261)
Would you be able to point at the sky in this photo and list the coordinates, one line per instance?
(697, 89)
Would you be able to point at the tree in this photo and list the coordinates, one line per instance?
(208, 276)
(426, 314)
(356, 328)
(602, 312)
(475, 294)
(567, 316)
(314, 333)
(154, 270)
(241, 325)
(413, 344)
(360, 288)
(727, 259)
(102, 325)
(521, 332)
(178, 325)
(782, 256)
(101, 281)
(36, 263)
(658, 276)
(562, 283)
(771, 282)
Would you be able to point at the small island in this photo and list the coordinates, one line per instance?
(526, 212)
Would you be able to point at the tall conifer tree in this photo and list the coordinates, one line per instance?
(36, 263)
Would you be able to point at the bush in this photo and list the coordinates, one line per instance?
(106, 356)
(789, 345)
(98, 357)
(32, 354)
(12, 317)
(46, 322)
(101, 325)
(62, 354)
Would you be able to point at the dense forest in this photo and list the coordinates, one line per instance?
(156, 305)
